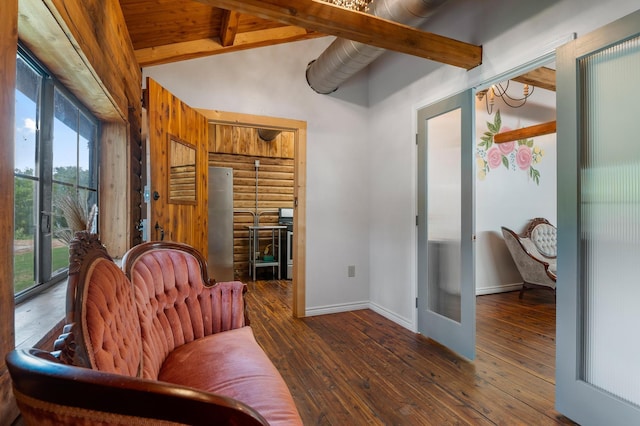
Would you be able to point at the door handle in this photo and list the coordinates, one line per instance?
(45, 221)
(161, 230)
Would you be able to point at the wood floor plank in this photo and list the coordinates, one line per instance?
(359, 368)
(459, 377)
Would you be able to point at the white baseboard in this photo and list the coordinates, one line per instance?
(334, 309)
(392, 316)
(498, 289)
(346, 307)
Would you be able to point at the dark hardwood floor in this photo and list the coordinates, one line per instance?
(359, 368)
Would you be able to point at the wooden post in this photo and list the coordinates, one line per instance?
(8, 49)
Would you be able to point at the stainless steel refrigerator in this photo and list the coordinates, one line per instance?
(220, 262)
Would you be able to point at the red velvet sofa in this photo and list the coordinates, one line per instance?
(154, 332)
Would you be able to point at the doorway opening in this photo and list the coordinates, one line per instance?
(516, 180)
(297, 130)
(515, 183)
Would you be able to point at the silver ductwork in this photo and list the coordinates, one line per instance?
(344, 58)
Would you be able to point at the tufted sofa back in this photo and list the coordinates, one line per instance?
(175, 302)
(111, 330)
(103, 331)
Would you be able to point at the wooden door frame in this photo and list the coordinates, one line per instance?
(299, 128)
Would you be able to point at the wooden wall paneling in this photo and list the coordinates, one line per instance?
(263, 148)
(244, 140)
(114, 190)
(203, 175)
(275, 147)
(224, 139)
(137, 174)
(157, 116)
(168, 115)
(287, 143)
(8, 48)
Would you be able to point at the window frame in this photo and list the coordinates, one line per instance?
(43, 177)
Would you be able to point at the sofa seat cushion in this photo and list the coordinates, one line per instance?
(232, 364)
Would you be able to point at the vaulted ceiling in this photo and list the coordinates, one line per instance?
(165, 31)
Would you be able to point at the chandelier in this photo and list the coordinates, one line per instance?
(500, 90)
(359, 5)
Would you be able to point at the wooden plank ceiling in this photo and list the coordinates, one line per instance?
(165, 31)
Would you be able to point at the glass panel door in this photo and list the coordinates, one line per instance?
(26, 176)
(598, 374)
(446, 286)
(55, 167)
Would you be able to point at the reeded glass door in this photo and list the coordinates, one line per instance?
(598, 293)
(446, 285)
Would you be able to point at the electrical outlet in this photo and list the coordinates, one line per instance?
(351, 271)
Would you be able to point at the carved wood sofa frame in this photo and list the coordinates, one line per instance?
(102, 370)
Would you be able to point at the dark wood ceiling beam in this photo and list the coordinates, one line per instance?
(229, 27)
(542, 77)
(326, 18)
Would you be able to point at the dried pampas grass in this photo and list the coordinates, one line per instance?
(76, 217)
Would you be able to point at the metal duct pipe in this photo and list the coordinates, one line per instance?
(344, 58)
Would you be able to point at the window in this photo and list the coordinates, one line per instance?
(55, 176)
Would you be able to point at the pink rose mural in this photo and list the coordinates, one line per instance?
(522, 154)
(507, 147)
(524, 157)
(494, 158)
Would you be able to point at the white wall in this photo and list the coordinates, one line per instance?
(271, 81)
(512, 33)
(361, 139)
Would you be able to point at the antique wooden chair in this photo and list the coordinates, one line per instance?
(534, 253)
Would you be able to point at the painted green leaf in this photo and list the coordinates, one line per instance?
(530, 143)
(492, 128)
(497, 121)
(535, 175)
(505, 162)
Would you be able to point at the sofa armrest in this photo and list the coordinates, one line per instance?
(65, 394)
